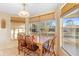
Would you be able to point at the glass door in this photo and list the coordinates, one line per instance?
(71, 32)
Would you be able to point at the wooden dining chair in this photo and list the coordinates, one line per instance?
(21, 43)
(50, 46)
(31, 46)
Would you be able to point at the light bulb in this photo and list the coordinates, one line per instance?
(24, 13)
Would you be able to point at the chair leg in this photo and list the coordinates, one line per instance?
(24, 52)
(54, 53)
(43, 50)
(18, 51)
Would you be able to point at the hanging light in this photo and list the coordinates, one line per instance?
(24, 12)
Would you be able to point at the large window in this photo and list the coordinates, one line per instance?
(43, 26)
(71, 33)
(16, 30)
(44, 29)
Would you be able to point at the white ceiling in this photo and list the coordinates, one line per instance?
(33, 8)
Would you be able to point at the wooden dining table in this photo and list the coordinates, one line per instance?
(42, 40)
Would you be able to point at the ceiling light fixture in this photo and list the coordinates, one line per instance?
(24, 12)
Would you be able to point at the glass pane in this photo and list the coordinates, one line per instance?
(12, 34)
(21, 30)
(15, 26)
(71, 33)
(44, 29)
(16, 33)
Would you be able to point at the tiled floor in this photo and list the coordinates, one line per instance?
(10, 49)
(14, 52)
(71, 48)
(8, 44)
(9, 52)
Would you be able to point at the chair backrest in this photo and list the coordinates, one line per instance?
(30, 45)
(21, 40)
(52, 42)
(28, 41)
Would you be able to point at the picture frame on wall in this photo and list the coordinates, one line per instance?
(3, 23)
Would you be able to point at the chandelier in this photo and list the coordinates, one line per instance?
(24, 12)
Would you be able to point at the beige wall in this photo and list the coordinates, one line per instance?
(5, 33)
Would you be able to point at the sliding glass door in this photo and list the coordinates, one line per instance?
(71, 32)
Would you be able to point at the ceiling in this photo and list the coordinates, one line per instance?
(73, 14)
(33, 8)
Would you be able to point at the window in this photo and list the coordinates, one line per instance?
(15, 31)
(71, 33)
(44, 29)
(12, 32)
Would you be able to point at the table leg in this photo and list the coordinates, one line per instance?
(40, 47)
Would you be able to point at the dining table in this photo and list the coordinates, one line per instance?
(42, 40)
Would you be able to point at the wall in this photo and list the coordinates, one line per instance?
(5, 33)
